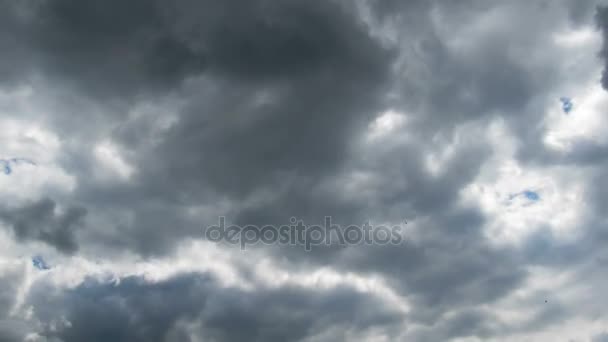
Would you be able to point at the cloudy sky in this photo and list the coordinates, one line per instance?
(148, 120)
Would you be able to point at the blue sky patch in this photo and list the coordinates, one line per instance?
(567, 104)
(7, 164)
(531, 195)
(40, 264)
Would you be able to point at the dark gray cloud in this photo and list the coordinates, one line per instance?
(602, 21)
(121, 49)
(287, 88)
(295, 83)
(111, 49)
(191, 306)
(42, 221)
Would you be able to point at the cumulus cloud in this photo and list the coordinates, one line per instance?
(150, 120)
(41, 221)
(193, 306)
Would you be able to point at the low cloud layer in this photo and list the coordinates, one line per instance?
(148, 121)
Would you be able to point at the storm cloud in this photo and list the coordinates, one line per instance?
(149, 120)
(602, 20)
(41, 221)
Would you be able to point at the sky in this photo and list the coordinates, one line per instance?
(146, 121)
